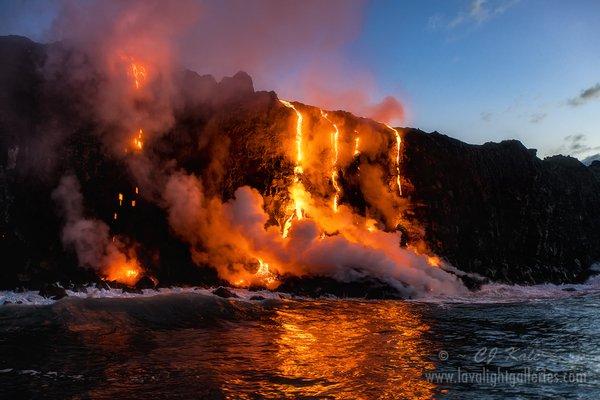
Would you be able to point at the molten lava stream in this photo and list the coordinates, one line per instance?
(138, 73)
(334, 172)
(296, 190)
(398, 142)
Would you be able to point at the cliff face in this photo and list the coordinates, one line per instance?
(494, 209)
(499, 210)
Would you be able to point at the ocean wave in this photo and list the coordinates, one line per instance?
(505, 293)
(489, 293)
(93, 292)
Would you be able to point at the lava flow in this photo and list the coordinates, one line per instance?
(334, 172)
(138, 74)
(296, 191)
(318, 237)
(398, 142)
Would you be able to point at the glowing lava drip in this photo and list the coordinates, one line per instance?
(297, 189)
(138, 73)
(356, 143)
(126, 268)
(138, 142)
(334, 172)
(398, 142)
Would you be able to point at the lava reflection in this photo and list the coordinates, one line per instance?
(335, 352)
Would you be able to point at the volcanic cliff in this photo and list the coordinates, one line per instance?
(494, 209)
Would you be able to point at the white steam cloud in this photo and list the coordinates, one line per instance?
(233, 235)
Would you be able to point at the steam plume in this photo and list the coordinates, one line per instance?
(234, 234)
(90, 238)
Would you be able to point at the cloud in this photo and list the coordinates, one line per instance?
(576, 144)
(477, 12)
(538, 117)
(585, 96)
(486, 116)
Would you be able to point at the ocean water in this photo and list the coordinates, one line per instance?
(504, 342)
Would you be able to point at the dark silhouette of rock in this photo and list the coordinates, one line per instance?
(224, 292)
(595, 168)
(257, 298)
(498, 211)
(53, 292)
(145, 282)
(322, 286)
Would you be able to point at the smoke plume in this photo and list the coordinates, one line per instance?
(90, 238)
(296, 48)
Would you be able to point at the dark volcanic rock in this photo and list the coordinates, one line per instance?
(321, 286)
(595, 168)
(224, 292)
(53, 292)
(498, 210)
(145, 282)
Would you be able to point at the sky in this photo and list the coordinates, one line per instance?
(476, 70)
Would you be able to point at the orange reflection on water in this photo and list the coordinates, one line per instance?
(354, 345)
(294, 349)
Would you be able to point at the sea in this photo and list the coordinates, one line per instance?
(502, 342)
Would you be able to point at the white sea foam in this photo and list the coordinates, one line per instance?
(504, 293)
(33, 297)
(490, 293)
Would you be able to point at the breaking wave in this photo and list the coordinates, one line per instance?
(489, 293)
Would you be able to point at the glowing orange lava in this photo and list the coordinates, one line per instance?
(334, 172)
(127, 272)
(356, 144)
(299, 156)
(138, 73)
(265, 274)
(138, 142)
(297, 189)
(398, 142)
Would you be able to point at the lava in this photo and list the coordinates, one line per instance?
(138, 74)
(334, 172)
(127, 272)
(398, 142)
(297, 188)
(356, 145)
(265, 274)
(138, 142)
(299, 156)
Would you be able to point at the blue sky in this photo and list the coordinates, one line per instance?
(504, 70)
(476, 70)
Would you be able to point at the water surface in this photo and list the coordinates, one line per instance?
(193, 345)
